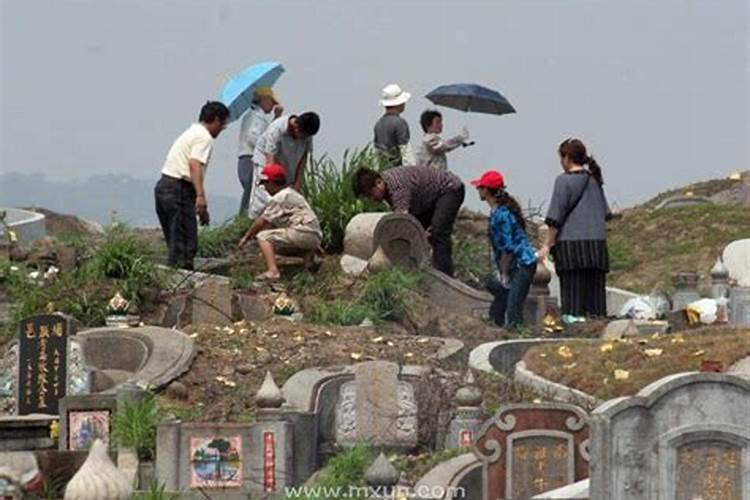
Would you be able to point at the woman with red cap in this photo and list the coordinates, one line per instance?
(513, 254)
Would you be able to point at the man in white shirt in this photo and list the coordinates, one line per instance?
(264, 109)
(287, 142)
(180, 193)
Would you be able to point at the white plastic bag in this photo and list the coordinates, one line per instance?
(639, 308)
(706, 309)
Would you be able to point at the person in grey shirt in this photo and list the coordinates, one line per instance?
(577, 235)
(286, 142)
(391, 132)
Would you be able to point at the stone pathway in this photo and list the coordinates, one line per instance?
(741, 368)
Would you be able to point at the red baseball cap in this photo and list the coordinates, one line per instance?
(491, 179)
(273, 172)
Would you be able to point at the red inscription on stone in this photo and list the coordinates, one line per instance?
(269, 463)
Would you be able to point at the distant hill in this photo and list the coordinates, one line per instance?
(96, 197)
(648, 245)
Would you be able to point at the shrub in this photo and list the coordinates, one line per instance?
(135, 426)
(341, 312)
(620, 257)
(386, 292)
(217, 241)
(128, 259)
(344, 470)
(328, 189)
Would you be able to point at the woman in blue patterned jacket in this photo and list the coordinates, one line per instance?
(513, 253)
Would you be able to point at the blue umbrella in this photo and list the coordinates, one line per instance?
(471, 97)
(237, 94)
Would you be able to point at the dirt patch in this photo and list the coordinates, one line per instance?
(232, 361)
(594, 367)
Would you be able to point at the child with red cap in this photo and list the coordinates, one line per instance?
(513, 254)
(287, 226)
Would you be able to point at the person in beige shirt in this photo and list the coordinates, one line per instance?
(434, 147)
(287, 226)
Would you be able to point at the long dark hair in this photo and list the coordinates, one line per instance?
(576, 151)
(506, 200)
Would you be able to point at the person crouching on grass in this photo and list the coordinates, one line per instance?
(287, 226)
(513, 253)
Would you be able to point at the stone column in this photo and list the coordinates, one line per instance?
(539, 303)
(686, 290)
(719, 280)
(465, 424)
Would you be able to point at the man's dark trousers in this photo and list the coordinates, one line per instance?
(440, 220)
(175, 206)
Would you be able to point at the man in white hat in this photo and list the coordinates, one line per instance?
(392, 131)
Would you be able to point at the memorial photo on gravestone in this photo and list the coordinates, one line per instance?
(42, 363)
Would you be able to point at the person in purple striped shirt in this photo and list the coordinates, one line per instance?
(431, 195)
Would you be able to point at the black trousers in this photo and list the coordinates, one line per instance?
(583, 292)
(440, 220)
(175, 206)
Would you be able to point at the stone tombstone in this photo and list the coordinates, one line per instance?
(739, 306)
(527, 449)
(42, 362)
(686, 290)
(377, 407)
(736, 258)
(400, 236)
(85, 418)
(683, 437)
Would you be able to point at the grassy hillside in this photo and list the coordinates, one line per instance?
(647, 246)
(703, 188)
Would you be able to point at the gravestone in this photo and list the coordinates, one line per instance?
(527, 449)
(377, 407)
(400, 236)
(686, 290)
(736, 258)
(42, 363)
(683, 200)
(683, 437)
(739, 305)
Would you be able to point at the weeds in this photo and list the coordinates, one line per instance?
(620, 256)
(386, 292)
(328, 189)
(342, 472)
(341, 312)
(242, 278)
(217, 241)
(157, 492)
(135, 426)
(471, 260)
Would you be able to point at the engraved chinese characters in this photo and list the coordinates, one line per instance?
(42, 366)
(530, 449)
(709, 470)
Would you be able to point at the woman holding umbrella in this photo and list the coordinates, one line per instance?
(264, 109)
(577, 235)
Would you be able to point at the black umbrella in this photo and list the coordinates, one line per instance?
(471, 97)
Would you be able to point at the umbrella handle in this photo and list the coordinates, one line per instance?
(467, 144)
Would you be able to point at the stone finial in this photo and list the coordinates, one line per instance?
(540, 282)
(381, 473)
(719, 272)
(269, 395)
(468, 394)
(379, 261)
(98, 478)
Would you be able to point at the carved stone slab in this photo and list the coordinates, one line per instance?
(527, 449)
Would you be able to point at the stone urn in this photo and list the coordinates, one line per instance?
(122, 320)
(686, 290)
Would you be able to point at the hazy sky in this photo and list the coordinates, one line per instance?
(658, 89)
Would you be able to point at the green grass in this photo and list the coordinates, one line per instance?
(135, 426)
(341, 312)
(471, 259)
(344, 470)
(386, 292)
(328, 189)
(217, 241)
(620, 256)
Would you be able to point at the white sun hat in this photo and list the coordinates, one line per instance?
(393, 95)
